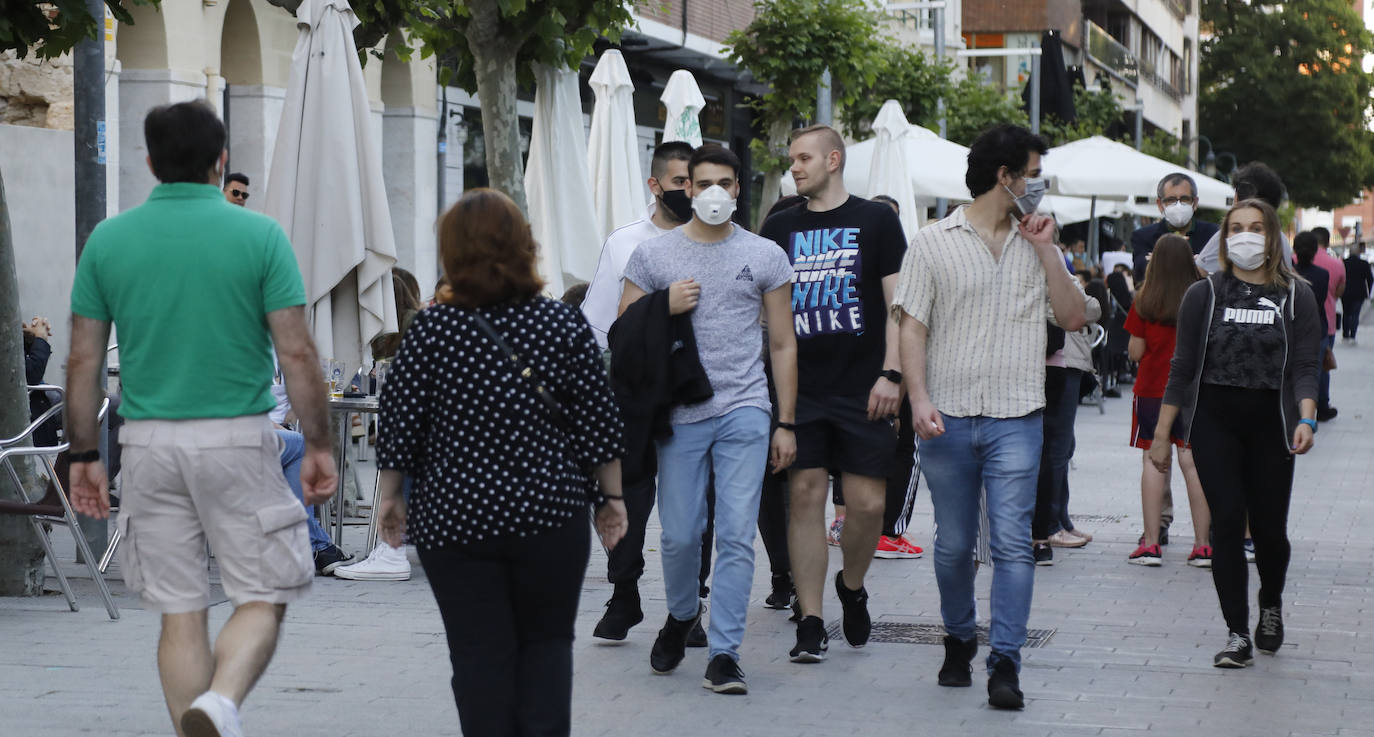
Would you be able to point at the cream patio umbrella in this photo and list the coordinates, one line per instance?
(325, 187)
(683, 103)
(618, 188)
(889, 174)
(558, 185)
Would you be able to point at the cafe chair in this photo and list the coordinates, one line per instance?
(52, 507)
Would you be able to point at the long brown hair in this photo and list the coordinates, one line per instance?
(1276, 269)
(1168, 274)
(487, 250)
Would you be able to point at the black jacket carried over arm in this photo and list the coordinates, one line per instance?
(654, 367)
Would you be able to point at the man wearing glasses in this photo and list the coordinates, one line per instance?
(1176, 196)
(236, 189)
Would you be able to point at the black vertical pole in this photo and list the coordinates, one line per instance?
(89, 93)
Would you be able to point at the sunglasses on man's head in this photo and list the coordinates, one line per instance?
(239, 193)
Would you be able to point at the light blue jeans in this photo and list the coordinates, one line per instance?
(736, 446)
(1003, 456)
(292, 453)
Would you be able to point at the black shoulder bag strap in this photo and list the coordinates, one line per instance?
(524, 369)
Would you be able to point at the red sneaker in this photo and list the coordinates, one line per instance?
(1146, 555)
(897, 547)
(1201, 557)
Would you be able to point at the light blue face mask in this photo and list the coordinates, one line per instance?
(1035, 191)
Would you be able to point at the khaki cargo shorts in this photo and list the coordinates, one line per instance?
(186, 482)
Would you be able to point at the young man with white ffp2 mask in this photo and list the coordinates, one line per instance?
(724, 277)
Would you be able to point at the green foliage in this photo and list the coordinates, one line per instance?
(1097, 113)
(1282, 83)
(53, 28)
(974, 106)
(909, 76)
(790, 44)
(1163, 145)
(554, 32)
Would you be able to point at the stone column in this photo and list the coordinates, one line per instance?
(409, 168)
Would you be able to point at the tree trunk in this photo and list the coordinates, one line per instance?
(772, 180)
(21, 557)
(494, 56)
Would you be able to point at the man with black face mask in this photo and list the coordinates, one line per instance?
(672, 207)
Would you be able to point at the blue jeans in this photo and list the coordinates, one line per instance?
(1003, 456)
(736, 446)
(292, 453)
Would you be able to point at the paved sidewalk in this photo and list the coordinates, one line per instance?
(1130, 652)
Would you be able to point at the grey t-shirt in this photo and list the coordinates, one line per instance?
(734, 274)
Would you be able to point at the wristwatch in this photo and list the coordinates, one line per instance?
(892, 375)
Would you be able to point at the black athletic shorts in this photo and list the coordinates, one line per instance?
(835, 433)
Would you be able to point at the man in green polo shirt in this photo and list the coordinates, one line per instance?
(199, 291)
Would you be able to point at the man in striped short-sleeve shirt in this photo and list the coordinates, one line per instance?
(973, 296)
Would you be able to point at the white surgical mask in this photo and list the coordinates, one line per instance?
(1178, 214)
(1035, 191)
(1245, 250)
(714, 206)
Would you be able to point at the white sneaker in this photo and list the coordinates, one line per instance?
(384, 563)
(211, 715)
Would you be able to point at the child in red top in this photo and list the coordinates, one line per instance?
(1170, 272)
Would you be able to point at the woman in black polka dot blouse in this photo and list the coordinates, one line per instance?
(502, 486)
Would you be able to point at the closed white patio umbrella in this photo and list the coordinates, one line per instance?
(618, 188)
(325, 187)
(558, 185)
(889, 173)
(683, 103)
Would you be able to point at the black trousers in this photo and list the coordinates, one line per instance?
(1241, 450)
(773, 506)
(905, 478)
(625, 562)
(509, 606)
(1350, 317)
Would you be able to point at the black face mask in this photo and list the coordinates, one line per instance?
(678, 203)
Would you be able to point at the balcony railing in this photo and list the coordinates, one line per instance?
(1180, 8)
(1162, 84)
(1108, 52)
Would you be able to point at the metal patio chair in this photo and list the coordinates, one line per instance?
(52, 507)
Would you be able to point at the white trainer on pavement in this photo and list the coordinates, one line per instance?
(384, 563)
(211, 715)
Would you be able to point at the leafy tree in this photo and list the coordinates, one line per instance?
(975, 105)
(909, 76)
(1163, 145)
(1283, 83)
(1098, 114)
(488, 47)
(48, 30)
(788, 46)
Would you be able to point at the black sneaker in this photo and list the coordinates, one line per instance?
(671, 644)
(1236, 654)
(957, 670)
(330, 558)
(724, 676)
(1269, 634)
(1044, 554)
(623, 611)
(781, 598)
(697, 637)
(1163, 535)
(1004, 687)
(812, 642)
(857, 624)
(1325, 414)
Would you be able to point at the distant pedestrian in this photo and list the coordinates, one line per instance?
(202, 458)
(236, 189)
(973, 295)
(1152, 323)
(1176, 198)
(1359, 279)
(1335, 289)
(1244, 380)
(498, 406)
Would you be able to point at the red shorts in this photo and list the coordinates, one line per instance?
(1144, 417)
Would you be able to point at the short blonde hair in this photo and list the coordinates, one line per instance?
(829, 138)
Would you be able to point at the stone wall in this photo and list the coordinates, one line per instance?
(36, 93)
